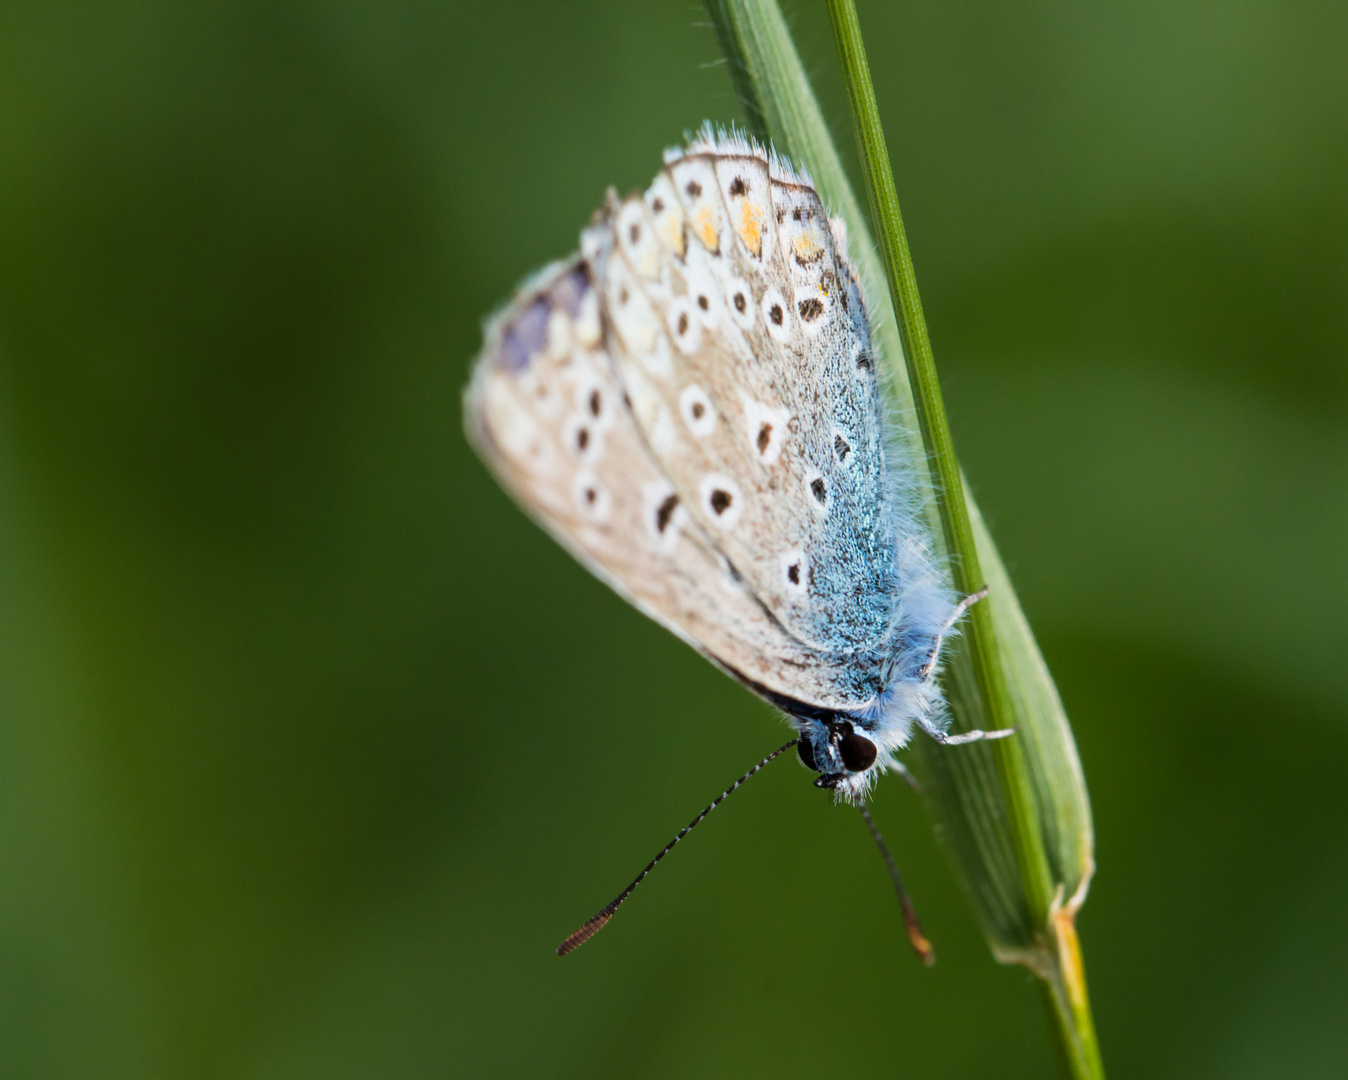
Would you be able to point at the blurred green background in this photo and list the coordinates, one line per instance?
(312, 748)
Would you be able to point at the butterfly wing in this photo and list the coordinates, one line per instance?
(740, 336)
(550, 416)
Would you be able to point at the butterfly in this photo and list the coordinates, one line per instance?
(691, 405)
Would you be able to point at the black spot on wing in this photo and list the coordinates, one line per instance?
(665, 512)
(811, 308)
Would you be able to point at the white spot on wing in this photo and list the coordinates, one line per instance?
(695, 408)
(657, 359)
(594, 401)
(796, 572)
(636, 238)
(516, 431)
(721, 497)
(583, 439)
(662, 435)
(821, 495)
(664, 519)
(705, 295)
(739, 302)
(776, 316)
(814, 308)
(592, 499)
(684, 326)
(629, 309)
(586, 326)
(535, 387)
(667, 212)
(559, 335)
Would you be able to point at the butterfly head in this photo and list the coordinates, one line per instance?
(842, 754)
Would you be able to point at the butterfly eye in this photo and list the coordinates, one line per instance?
(805, 749)
(858, 753)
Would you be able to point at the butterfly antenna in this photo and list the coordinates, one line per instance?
(594, 925)
(916, 938)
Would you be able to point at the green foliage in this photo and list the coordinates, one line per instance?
(312, 747)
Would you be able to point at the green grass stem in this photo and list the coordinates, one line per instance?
(1014, 813)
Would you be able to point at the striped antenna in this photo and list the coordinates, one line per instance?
(594, 925)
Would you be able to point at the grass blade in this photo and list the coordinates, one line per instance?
(1015, 814)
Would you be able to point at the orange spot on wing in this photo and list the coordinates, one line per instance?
(705, 227)
(751, 229)
(806, 246)
(673, 235)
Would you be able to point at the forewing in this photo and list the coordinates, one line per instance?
(738, 331)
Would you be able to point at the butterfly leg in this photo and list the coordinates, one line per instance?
(955, 616)
(970, 736)
(929, 667)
